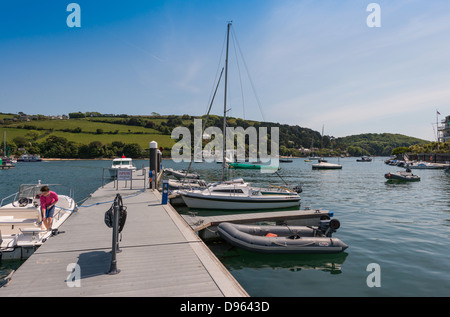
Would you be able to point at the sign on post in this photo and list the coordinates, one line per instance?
(124, 174)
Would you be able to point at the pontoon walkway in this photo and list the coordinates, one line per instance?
(161, 255)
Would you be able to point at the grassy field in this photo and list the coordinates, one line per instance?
(125, 133)
(85, 125)
(142, 139)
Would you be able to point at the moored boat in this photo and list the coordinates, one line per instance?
(402, 176)
(230, 195)
(29, 158)
(181, 174)
(324, 165)
(187, 184)
(20, 221)
(248, 165)
(6, 163)
(284, 239)
(427, 165)
(121, 163)
(364, 159)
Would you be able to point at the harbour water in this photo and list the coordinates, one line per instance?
(402, 227)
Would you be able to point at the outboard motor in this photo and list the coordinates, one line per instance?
(298, 189)
(328, 227)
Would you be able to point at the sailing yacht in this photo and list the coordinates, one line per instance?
(237, 194)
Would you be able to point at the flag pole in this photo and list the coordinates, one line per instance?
(437, 126)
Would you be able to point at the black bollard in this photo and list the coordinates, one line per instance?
(153, 163)
(113, 268)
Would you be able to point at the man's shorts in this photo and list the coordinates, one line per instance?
(50, 211)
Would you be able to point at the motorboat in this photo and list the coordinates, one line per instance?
(232, 195)
(426, 165)
(325, 165)
(121, 163)
(364, 159)
(402, 176)
(29, 158)
(284, 239)
(20, 220)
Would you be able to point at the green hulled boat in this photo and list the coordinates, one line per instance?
(246, 165)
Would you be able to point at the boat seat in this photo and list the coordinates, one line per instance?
(32, 230)
(13, 227)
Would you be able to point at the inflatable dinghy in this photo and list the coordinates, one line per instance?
(283, 239)
(402, 176)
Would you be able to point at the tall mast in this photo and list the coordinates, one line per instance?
(225, 105)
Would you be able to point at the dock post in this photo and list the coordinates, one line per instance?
(153, 163)
(115, 246)
(165, 192)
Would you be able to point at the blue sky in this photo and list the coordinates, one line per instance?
(311, 63)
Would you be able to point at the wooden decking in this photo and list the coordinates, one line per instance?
(303, 217)
(161, 255)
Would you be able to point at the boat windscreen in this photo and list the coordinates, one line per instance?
(29, 191)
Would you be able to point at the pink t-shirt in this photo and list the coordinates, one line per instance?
(50, 199)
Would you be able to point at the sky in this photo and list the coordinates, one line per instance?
(316, 63)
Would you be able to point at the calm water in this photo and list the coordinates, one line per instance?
(404, 228)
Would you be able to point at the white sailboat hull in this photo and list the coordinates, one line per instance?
(200, 201)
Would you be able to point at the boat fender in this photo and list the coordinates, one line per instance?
(389, 175)
(270, 235)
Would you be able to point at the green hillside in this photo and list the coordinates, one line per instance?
(92, 135)
(375, 144)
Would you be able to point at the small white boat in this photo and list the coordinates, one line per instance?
(187, 184)
(181, 174)
(20, 221)
(233, 195)
(426, 165)
(121, 163)
(324, 165)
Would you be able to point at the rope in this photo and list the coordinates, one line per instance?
(285, 245)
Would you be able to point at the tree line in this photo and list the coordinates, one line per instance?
(60, 147)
